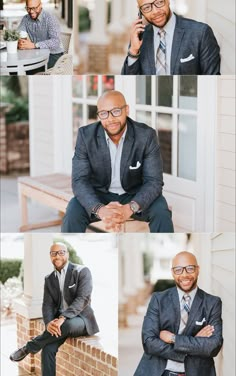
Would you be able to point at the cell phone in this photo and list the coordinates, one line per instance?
(140, 36)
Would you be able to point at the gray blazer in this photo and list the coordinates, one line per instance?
(91, 168)
(77, 294)
(196, 352)
(191, 38)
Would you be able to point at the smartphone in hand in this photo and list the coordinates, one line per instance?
(141, 33)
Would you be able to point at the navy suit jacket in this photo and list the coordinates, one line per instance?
(77, 294)
(140, 169)
(196, 352)
(191, 39)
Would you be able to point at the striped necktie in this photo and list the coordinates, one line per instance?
(161, 54)
(185, 308)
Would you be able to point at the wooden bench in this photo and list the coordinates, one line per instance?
(55, 191)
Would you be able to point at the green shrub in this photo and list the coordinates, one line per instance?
(72, 252)
(84, 19)
(19, 110)
(9, 268)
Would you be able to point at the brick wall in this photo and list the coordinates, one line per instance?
(83, 356)
(98, 59)
(14, 143)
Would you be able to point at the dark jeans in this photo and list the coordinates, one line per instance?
(170, 373)
(49, 344)
(158, 215)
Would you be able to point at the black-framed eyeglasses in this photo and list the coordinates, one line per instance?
(190, 269)
(61, 252)
(33, 9)
(146, 8)
(116, 111)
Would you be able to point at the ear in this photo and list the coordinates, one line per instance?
(127, 110)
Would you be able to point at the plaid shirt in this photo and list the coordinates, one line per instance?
(44, 32)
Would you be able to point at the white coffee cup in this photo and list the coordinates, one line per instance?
(23, 34)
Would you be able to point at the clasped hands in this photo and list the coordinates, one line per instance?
(114, 214)
(54, 327)
(207, 331)
(25, 44)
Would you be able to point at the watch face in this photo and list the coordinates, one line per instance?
(134, 206)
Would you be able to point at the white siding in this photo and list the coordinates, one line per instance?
(225, 156)
(50, 124)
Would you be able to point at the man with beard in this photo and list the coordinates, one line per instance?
(67, 309)
(170, 44)
(182, 329)
(43, 31)
(116, 172)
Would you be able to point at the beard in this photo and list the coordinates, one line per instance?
(164, 18)
(115, 128)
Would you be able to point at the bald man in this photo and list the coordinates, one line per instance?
(163, 43)
(182, 329)
(117, 172)
(43, 31)
(67, 309)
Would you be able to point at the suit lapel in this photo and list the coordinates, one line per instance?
(176, 44)
(175, 303)
(127, 148)
(150, 48)
(105, 153)
(55, 287)
(193, 314)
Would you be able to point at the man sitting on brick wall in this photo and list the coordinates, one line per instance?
(66, 309)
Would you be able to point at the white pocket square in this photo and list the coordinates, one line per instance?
(138, 164)
(71, 286)
(186, 59)
(200, 322)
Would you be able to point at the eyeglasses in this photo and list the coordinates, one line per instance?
(190, 269)
(146, 8)
(115, 112)
(33, 9)
(55, 253)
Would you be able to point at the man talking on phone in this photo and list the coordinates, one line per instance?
(169, 44)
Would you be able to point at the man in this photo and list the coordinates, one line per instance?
(117, 172)
(66, 309)
(182, 330)
(43, 31)
(170, 44)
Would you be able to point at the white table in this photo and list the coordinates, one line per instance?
(9, 16)
(23, 61)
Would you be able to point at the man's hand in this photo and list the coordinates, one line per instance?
(54, 327)
(25, 44)
(166, 336)
(135, 43)
(112, 216)
(207, 331)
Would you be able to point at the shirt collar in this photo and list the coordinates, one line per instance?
(192, 294)
(169, 27)
(108, 139)
(63, 269)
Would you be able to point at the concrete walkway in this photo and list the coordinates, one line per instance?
(130, 345)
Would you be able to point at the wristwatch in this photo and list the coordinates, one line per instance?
(172, 338)
(62, 317)
(134, 206)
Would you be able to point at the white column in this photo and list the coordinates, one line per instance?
(130, 10)
(116, 25)
(75, 33)
(99, 19)
(37, 265)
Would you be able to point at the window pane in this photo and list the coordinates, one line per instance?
(77, 120)
(108, 83)
(143, 89)
(187, 144)
(92, 86)
(77, 86)
(144, 117)
(188, 92)
(164, 91)
(164, 129)
(92, 114)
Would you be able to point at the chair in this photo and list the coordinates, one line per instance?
(64, 64)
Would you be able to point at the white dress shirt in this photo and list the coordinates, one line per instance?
(61, 277)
